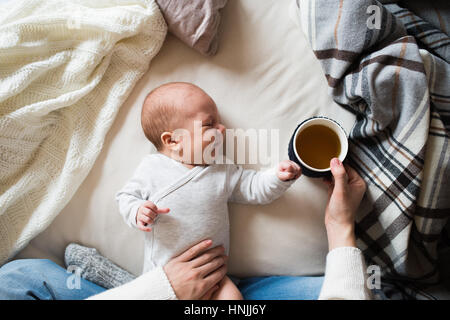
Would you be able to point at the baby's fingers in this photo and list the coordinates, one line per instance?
(162, 210)
(151, 212)
(297, 170)
(284, 175)
(146, 220)
(290, 166)
(150, 205)
(285, 166)
(147, 211)
(141, 226)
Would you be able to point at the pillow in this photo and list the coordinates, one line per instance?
(195, 22)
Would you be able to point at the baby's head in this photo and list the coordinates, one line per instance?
(169, 117)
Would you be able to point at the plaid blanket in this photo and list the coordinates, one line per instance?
(394, 74)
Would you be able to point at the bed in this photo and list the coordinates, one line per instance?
(264, 76)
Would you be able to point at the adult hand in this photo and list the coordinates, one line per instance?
(195, 274)
(345, 192)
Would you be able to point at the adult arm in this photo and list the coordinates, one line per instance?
(345, 272)
(194, 274)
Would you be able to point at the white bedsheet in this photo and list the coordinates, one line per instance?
(264, 76)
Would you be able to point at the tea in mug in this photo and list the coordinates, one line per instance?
(316, 145)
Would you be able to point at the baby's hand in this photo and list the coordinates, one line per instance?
(146, 215)
(288, 170)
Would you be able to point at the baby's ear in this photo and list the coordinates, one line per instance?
(166, 139)
(172, 142)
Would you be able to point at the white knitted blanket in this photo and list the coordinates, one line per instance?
(66, 67)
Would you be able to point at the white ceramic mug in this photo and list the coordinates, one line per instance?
(307, 170)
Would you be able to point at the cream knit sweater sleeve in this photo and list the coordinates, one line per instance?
(345, 276)
(153, 285)
(344, 279)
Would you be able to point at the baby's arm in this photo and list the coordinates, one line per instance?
(133, 195)
(261, 187)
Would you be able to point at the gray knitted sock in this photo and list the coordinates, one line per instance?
(95, 267)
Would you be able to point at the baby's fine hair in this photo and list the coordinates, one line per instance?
(159, 110)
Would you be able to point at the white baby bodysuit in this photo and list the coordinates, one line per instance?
(197, 199)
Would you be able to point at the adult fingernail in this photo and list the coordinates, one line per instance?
(335, 162)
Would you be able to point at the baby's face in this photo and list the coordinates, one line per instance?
(200, 120)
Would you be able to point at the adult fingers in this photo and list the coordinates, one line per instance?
(194, 251)
(214, 264)
(209, 293)
(328, 181)
(339, 175)
(354, 177)
(352, 174)
(214, 277)
(207, 256)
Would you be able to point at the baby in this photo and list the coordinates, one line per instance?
(178, 201)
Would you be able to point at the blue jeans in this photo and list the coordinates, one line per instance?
(44, 280)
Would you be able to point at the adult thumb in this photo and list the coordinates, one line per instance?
(339, 175)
